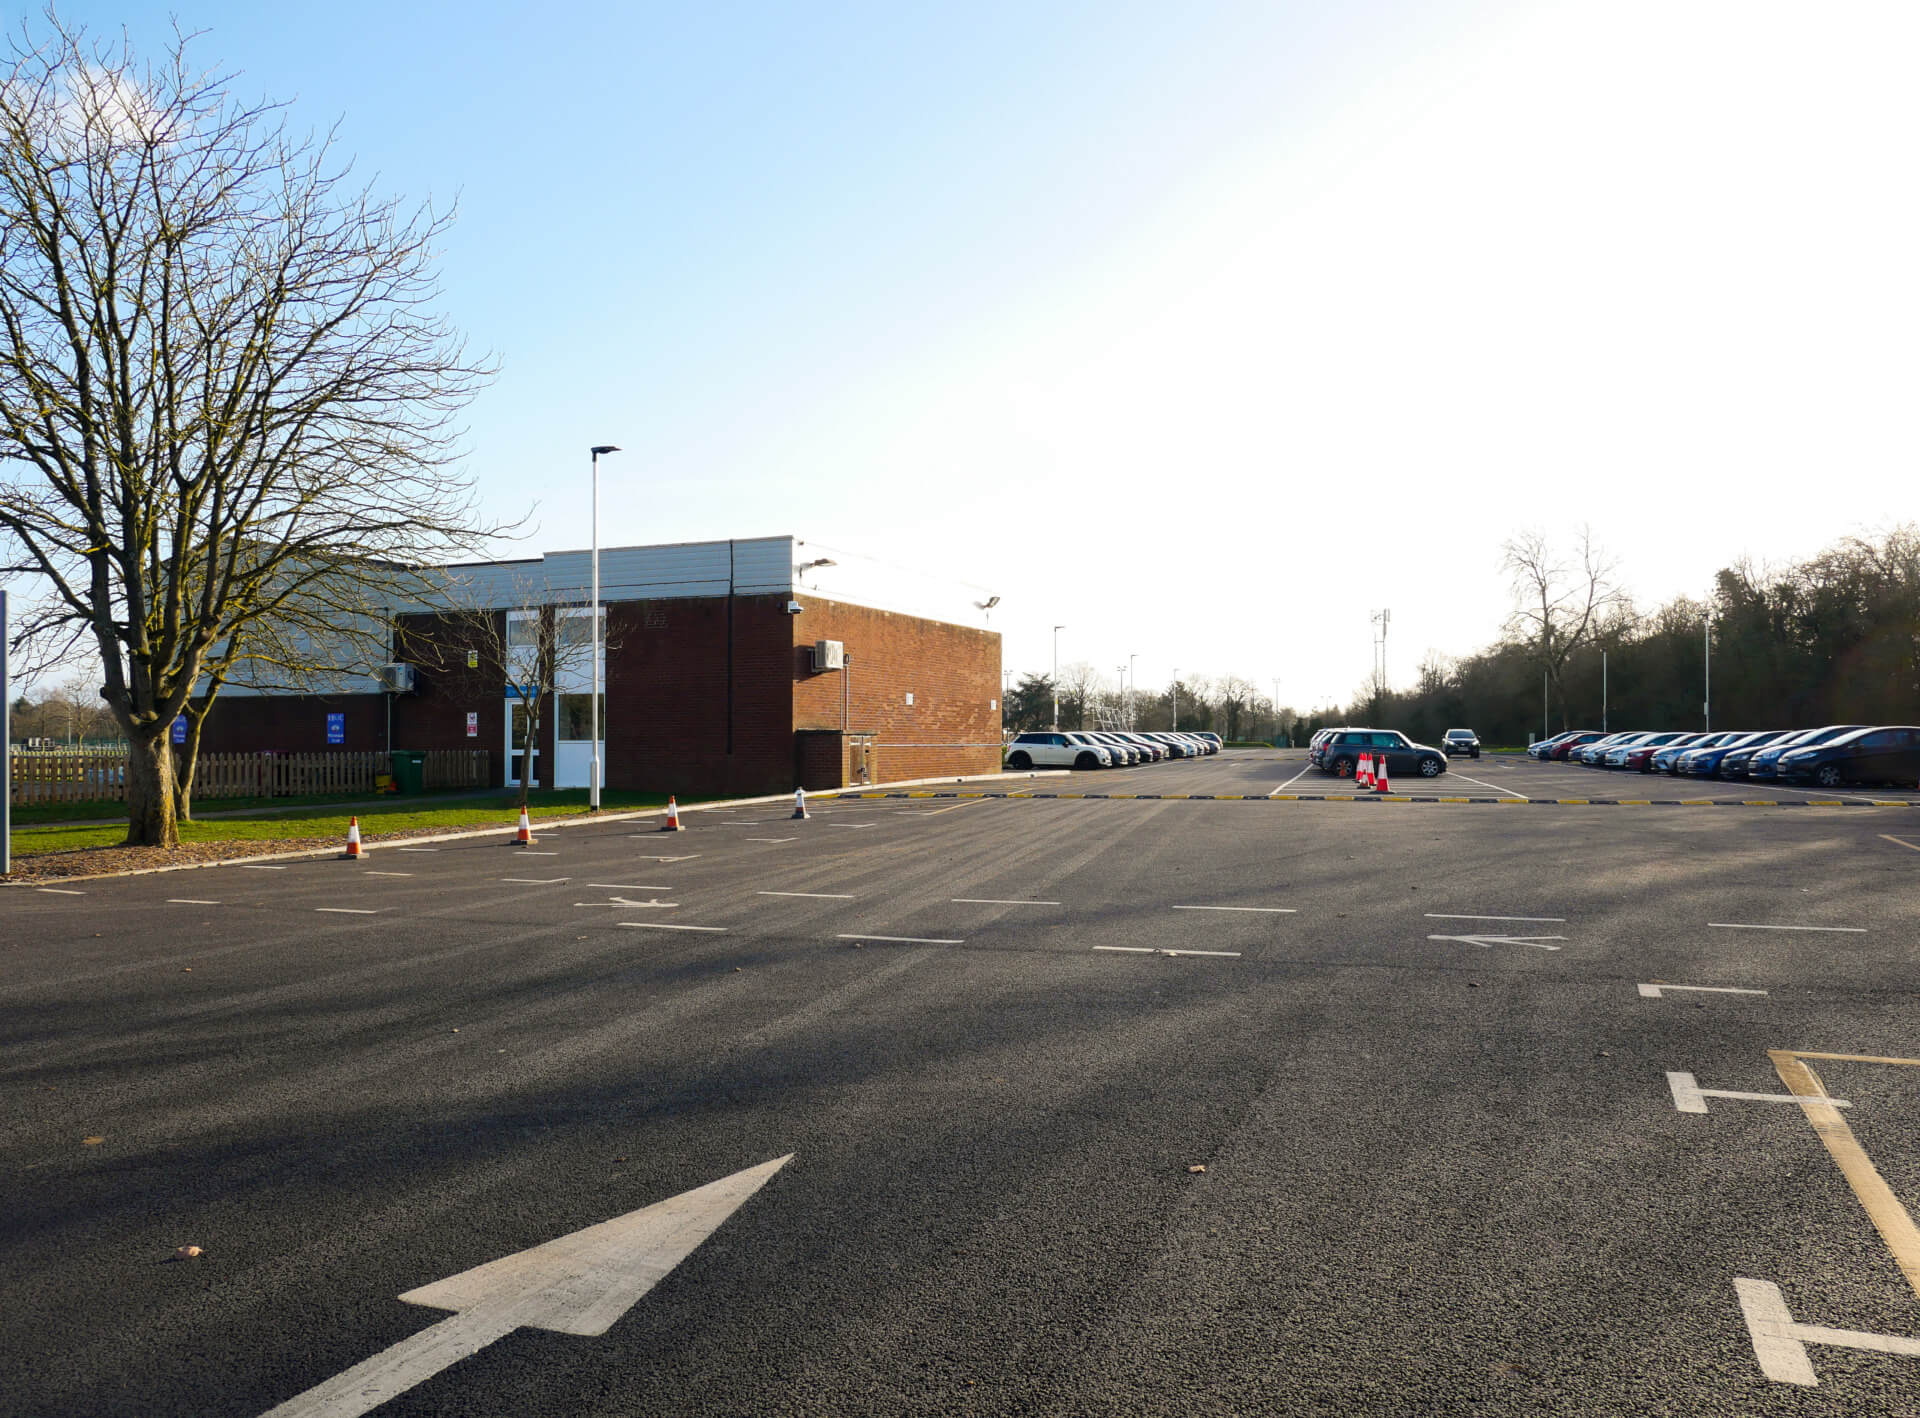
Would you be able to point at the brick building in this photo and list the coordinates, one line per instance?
(722, 673)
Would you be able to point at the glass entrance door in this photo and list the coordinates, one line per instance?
(520, 757)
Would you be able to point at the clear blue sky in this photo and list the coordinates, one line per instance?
(1092, 304)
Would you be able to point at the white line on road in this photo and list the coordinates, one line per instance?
(772, 839)
(1653, 991)
(1150, 950)
(621, 902)
(56, 891)
(901, 939)
(416, 849)
(627, 886)
(689, 857)
(853, 826)
(1910, 846)
(1739, 926)
(663, 926)
(1229, 954)
(1495, 786)
(1779, 1342)
(1543, 920)
(995, 901)
(538, 880)
(266, 868)
(1488, 942)
(1291, 781)
(1262, 910)
(526, 853)
(388, 873)
(1127, 949)
(810, 895)
(189, 901)
(1690, 1097)
(345, 911)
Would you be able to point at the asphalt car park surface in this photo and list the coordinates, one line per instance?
(1494, 1109)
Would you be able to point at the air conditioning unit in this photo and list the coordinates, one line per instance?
(396, 679)
(829, 655)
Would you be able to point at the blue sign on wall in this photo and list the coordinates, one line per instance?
(180, 728)
(336, 728)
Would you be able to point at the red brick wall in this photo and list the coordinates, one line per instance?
(667, 696)
(250, 723)
(952, 672)
(446, 690)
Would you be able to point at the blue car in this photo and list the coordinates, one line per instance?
(1705, 762)
(1667, 759)
(1764, 766)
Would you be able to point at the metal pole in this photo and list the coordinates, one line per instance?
(1056, 676)
(1133, 691)
(1706, 641)
(1546, 707)
(1603, 691)
(6, 749)
(593, 704)
(1173, 688)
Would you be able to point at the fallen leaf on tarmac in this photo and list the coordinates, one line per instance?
(186, 969)
(1473, 984)
(186, 1253)
(1197, 1167)
(91, 1141)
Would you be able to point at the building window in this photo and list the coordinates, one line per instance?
(574, 721)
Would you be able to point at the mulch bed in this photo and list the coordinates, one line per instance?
(114, 861)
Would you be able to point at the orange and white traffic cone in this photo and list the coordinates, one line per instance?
(524, 836)
(1363, 774)
(1380, 784)
(672, 824)
(799, 804)
(354, 849)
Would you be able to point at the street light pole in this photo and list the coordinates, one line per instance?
(593, 702)
(1706, 642)
(1056, 676)
(1173, 688)
(1133, 692)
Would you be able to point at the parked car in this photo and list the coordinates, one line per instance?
(1764, 766)
(1176, 746)
(1543, 747)
(1640, 758)
(1705, 762)
(1591, 752)
(1047, 749)
(1209, 737)
(1404, 756)
(1616, 757)
(1889, 754)
(1460, 741)
(1125, 755)
(1563, 751)
(1151, 750)
(1317, 750)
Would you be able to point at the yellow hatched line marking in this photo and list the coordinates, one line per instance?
(1883, 1208)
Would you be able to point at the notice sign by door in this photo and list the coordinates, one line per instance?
(473, 724)
(180, 728)
(336, 728)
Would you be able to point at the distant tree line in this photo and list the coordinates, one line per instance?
(1833, 639)
(1228, 705)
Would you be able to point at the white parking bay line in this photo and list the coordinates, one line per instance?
(1495, 786)
(526, 853)
(1127, 949)
(627, 886)
(552, 881)
(663, 926)
(1445, 916)
(189, 901)
(772, 839)
(853, 826)
(388, 873)
(902, 939)
(266, 868)
(344, 911)
(995, 901)
(810, 895)
(1653, 991)
(1910, 846)
(416, 849)
(1149, 950)
(1226, 954)
(1740, 926)
(56, 891)
(1291, 781)
(1262, 910)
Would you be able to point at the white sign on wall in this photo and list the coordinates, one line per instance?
(473, 724)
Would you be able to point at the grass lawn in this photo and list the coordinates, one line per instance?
(325, 820)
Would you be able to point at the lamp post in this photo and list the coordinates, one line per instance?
(1276, 709)
(593, 701)
(1706, 643)
(1056, 676)
(1173, 688)
(1133, 687)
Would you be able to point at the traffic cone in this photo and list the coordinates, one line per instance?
(799, 804)
(1380, 784)
(524, 837)
(354, 849)
(672, 824)
(1363, 773)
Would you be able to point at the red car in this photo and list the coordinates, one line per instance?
(1579, 740)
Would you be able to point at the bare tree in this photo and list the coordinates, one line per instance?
(1079, 683)
(541, 649)
(226, 402)
(1558, 599)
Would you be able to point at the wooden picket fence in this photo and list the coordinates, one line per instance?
(61, 776)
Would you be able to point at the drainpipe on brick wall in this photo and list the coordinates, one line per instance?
(729, 646)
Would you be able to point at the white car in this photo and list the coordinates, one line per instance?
(1047, 748)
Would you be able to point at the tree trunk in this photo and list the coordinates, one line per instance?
(183, 769)
(150, 800)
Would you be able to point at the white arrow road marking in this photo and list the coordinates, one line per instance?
(1690, 1097)
(1487, 942)
(1653, 991)
(577, 1284)
(1780, 1344)
(623, 901)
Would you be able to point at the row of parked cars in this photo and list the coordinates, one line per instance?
(1829, 757)
(1338, 751)
(1104, 748)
